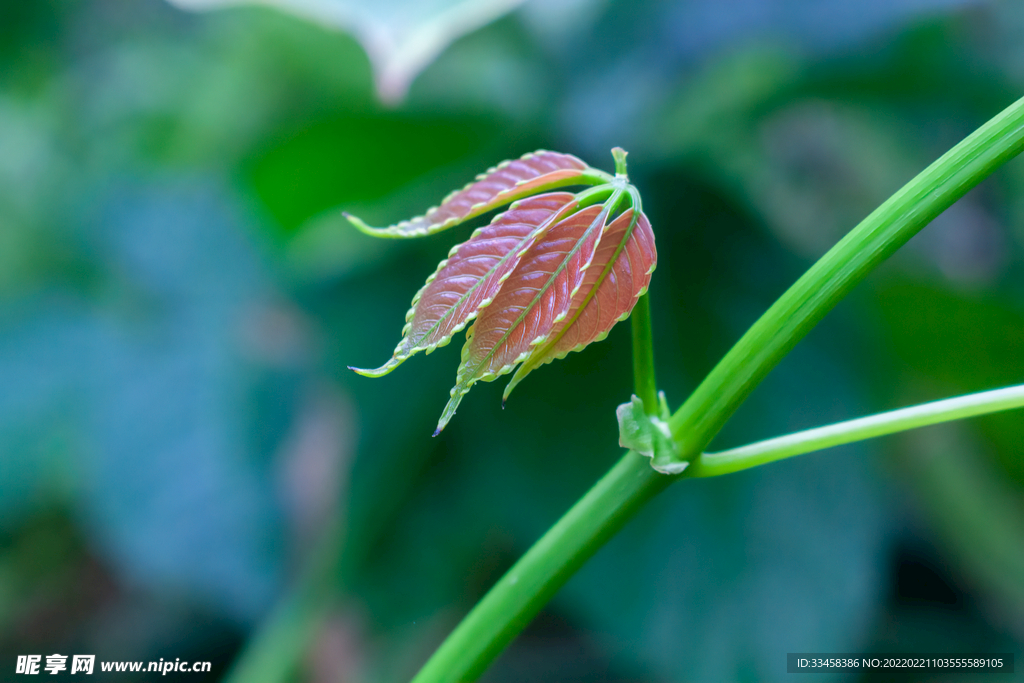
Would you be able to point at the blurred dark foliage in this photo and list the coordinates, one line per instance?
(179, 298)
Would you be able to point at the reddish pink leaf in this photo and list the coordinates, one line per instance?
(545, 278)
(619, 275)
(472, 275)
(533, 300)
(510, 180)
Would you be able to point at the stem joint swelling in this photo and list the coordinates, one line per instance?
(649, 435)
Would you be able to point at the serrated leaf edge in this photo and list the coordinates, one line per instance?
(517, 378)
(586, 175)
(400, 355)
(460, 389)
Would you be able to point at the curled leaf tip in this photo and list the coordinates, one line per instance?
(449, 412)
(510, 386)
(376, 372)
(360, 225)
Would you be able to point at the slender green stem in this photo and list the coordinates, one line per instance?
(779, 448)
(517, 597)
(804, 304)
(644, 384)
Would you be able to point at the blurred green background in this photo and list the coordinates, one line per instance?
(179, 298)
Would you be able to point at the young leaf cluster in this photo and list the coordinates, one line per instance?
(548, 276)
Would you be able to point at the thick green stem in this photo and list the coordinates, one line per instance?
(804, 304)
(644, 384)
(510, 605)
(779, 448)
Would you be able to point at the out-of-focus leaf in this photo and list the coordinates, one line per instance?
(531, 303)
(818, 167)
(975, 510)
(506, 182)
(39, 428)
(724, 98)
(614, 280)
(144, 417)
(811, 169)
(472, 275)
(497, 69)
(300, 174)
(401, 37)
(326, 248)
(174, 492)
(973, 343)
